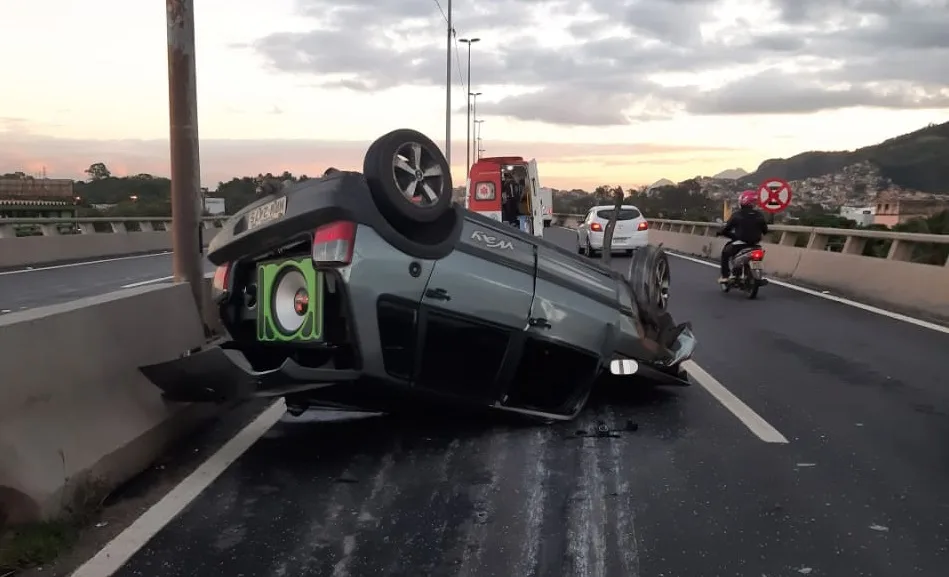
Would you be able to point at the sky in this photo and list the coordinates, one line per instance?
(619, 92)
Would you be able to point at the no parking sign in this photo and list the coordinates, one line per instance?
(774, 195)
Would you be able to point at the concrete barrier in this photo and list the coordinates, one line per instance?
(77, 418)
(93, 238)
(919, 288)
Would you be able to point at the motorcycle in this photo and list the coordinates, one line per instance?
(747, 268)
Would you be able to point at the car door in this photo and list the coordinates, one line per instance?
(573, 317)
(474, 310)
(583, 228)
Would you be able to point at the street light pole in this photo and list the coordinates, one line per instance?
(479, 150)
(183, 136)
(469, 42)
(474, 104)
(448, 88)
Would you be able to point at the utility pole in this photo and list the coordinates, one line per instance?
(468, 143)
(183, 136)
(448, 88)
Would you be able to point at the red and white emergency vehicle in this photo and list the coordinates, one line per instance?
(490, 176)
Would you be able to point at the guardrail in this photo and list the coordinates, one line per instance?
(32, 241)
(905, 271)
(28, 227)
(899, 246)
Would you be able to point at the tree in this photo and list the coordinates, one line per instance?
(98, 171)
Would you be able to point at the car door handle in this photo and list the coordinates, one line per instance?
(438, 293)
(539, 323)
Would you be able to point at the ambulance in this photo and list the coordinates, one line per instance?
(492, 180)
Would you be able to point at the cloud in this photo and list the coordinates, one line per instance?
(223, 159)
(603, 62)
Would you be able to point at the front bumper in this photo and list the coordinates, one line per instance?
(221, 373)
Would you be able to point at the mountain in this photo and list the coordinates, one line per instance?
(731, 174)
(914, 161)
(662, 182)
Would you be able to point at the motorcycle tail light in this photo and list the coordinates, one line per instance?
(757, 254)
(595, 227)
(221, 277)
(333, 244)
(643, 226)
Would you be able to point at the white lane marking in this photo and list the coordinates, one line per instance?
(83, 263)
(120, 549)
(145, 282)
(761, 428)
(841, 300)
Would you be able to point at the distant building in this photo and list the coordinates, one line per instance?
(35, 188)
(892, 210)
(863, 216)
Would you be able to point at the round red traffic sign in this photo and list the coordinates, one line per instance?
(774, 195)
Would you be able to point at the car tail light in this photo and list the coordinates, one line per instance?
(221, 276)
(333, 244)
(595, 227)
(643, 226)
(757, 254)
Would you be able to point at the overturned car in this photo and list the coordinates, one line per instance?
(373, 291)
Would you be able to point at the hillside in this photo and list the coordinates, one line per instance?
(916, 161)
(731, 174)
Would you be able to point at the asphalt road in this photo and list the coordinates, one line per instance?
(859, 489)
(27, 288)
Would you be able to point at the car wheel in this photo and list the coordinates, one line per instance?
(409, 177)
(650, 279)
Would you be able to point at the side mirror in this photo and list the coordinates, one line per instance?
(624, 367)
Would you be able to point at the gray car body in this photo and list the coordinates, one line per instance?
(485, 272)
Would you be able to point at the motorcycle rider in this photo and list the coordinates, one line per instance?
(747, 225)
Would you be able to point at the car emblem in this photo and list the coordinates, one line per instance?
(492, 241)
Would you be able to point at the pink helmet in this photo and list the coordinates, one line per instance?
(748, 197)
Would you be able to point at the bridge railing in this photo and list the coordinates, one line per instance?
(27, 227)
(900, 246)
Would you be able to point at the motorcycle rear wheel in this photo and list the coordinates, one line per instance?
(752, 283)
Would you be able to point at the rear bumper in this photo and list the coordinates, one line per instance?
(620, 242)
(221, 373)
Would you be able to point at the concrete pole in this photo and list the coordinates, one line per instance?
(183, 136)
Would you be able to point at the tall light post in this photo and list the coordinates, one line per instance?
(469, 42)
(474, 104)
(478, 150)
(448, 88)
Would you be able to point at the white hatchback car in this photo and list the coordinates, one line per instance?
(632, 230)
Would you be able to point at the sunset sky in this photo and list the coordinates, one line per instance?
(599, 91)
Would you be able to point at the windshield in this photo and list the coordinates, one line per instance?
(624, 214)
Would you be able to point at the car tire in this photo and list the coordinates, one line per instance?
(650, 278)
(390, 185)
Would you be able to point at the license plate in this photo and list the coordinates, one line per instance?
(621, 238)
(756, 265)
(269, 212)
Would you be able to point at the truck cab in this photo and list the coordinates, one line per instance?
(507, 189)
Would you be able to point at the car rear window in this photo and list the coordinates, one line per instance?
(624, 214)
